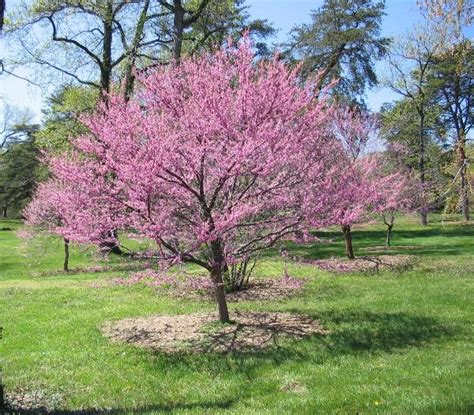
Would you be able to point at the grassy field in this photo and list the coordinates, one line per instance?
(399, 342)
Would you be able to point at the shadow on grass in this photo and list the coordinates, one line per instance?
(350, 333)
(359, 332)
(207, 407)
(405, 241)
(365, 331)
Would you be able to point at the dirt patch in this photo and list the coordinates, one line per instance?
(263, 289)
(36, 401)
(266, 290)
(364, 264)
(200, 333)
(383, 248)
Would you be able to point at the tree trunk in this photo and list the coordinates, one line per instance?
(424, 218)
(217, 271)
(106, 67)
(2, 399)
(388, 239)
(464, 186)
(5, 211)
(110, 247)
(346, 231)
(66, 254)
(129, 78)
(421, 166)
(216, 275)
(465, 195)
(178, 30)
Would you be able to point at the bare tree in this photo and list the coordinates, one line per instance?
(453, 13)
(410, 62)
(90, 42)
(101, 43)
(11, 119)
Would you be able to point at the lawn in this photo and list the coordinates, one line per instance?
(398, 342)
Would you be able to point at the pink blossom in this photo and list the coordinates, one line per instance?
(214, 159)
(217, 149)
(290, 282)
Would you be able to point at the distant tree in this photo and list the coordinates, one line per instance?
(19, 170)
(100, 43)
(222, 20)
(450, 13)
(13, 122)
(410, 62)
(398, 193)
(62, 116)
(88, 41)
(452, 83)
(399, 127)
(356, 190)
(342, 42)
(46, 213)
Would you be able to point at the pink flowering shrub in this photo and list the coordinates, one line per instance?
(365, 185)
(214, 159)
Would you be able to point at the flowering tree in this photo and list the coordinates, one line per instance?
(356, 191)
(215, 160)
(397, 187)
(43, 214)
(394, 199)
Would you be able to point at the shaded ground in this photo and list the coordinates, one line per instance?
(201, 333)
(261, 289)
(396, 342)
(364, 263)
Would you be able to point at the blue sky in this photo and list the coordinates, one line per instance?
(284, 14)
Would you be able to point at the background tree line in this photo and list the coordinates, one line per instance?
(86, 49)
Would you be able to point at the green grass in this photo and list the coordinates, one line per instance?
(399, 343)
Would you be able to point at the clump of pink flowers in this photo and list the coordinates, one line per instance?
(149, 276)
(200, 283)
(290, 282)
(25, 233)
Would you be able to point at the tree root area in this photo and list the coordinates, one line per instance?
(364, 263)
(201, 333)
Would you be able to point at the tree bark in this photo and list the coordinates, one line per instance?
(178, 30)
(346, 231)
(464, 186)
(388, 238)
(66, 254)
(106, 66)
(129, 78)
(217, 271)
(216, 275)
(421, 166)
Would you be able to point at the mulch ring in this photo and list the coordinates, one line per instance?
(31, 401)
(257, 289)
(198, 333)
(364, 264)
